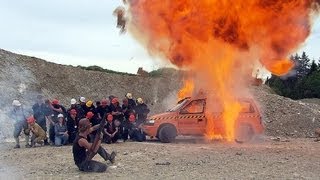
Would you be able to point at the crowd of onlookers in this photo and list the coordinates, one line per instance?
(123, 120)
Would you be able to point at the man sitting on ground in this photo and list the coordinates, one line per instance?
(81, 146)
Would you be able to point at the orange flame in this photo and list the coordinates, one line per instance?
(186, 90)
(280, 67)
(220, 40)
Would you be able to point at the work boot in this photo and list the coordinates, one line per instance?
(16, 146)
(46, 142)
(112, 157)
(28, 146)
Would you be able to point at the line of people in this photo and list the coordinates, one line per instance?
(123, 121)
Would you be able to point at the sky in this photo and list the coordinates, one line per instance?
(83, 32)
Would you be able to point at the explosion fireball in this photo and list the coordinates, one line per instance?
(221, 40)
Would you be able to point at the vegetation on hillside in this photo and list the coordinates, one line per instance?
(100, 69)
(304, 83)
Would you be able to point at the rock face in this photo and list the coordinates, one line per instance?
(25, 77)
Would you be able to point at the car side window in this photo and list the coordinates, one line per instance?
(196, 106)
(246, 107)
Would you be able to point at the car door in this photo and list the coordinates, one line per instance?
(191, 119)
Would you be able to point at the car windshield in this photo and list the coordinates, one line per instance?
(179, 105)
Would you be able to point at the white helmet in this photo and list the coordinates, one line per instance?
(16, 103)
(82, 99)
(139, 101)
(129, 95)
(60, 115)
(73, 101)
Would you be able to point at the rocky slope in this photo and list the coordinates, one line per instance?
(25, 77)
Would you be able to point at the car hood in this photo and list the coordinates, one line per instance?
(162, 115)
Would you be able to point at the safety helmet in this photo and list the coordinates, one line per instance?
(129, 95)
(16, 103)
(114, 100)
(55, 101)
(89, 115)
(139, 101)
(60, 115)
(73, 101)
(31, 120)
(89, 103)
(82, 99)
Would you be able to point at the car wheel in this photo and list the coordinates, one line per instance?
(244, 133)
(167, 133)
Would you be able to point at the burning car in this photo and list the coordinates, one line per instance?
(190, 117)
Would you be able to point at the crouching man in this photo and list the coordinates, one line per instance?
(38, 134)
(81, 146)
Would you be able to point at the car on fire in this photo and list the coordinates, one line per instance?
(188, 117)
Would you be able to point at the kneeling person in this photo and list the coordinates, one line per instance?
(81, 146)
(38, 134)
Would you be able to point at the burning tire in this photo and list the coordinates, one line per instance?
(167, 133)
(244, 133)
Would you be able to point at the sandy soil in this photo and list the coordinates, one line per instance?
(185, 159)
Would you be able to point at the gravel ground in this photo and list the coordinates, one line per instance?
(188, 158)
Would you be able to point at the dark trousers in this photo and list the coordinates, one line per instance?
(43, 125)
(95, 166)
(51, 133)
(109, 140)
(72, 137)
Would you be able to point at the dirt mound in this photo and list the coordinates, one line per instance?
(24, 77)
(286, 117)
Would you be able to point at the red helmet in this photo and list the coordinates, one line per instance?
(73, 112)
(89, 115)
(114, 100)
(55, 101)
(132, 118)
(31, 120)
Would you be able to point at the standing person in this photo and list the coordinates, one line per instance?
(126, 108)
(56, 110)
(82, 104)
(40, 112)
(19, 116)
(103, 108)
(77, 107)
(111, 132)
(72, 125)
(141, 111)
(90, 107)
(131, 101)
(116, 110)
(81, 146)
(38, 134)
(61, 132)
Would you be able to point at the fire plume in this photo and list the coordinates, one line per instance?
(186, 90)
(220, 40)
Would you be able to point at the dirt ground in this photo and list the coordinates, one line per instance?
(188, 158)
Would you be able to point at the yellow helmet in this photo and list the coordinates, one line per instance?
(89, 103)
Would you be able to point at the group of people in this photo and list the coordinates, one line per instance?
(123, 121)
